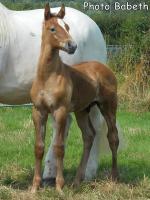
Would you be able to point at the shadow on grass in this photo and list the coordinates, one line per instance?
(131, 173)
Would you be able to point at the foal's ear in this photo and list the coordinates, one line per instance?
(47, 13)
(61, 13)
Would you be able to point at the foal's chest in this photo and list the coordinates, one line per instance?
(45, 98)
(50, 95)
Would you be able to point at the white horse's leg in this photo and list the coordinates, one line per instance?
(100, 127)
(49, 173)
(100, 145)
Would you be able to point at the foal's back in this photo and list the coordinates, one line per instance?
(91, 81)
(96, 73)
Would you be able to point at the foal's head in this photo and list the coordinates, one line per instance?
(56, 31)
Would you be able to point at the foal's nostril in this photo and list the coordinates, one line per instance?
(71, 46)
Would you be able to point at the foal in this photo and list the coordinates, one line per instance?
(60, 89)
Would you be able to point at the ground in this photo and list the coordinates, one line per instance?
(17, 160)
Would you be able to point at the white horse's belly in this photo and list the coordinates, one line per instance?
(19, 72)
(16, 79)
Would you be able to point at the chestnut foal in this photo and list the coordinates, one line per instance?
(60, 89)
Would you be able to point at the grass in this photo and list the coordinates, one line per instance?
(17, 160)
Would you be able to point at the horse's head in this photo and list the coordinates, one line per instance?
(56, 31)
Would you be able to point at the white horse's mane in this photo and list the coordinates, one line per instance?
(7, 28)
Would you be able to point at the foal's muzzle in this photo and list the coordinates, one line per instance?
(70, 46)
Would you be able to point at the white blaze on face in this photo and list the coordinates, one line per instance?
(62, 24)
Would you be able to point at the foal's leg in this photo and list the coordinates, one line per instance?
(49, 173)
(88, 134)
(60, 116)
(39, 119)
(108, 109)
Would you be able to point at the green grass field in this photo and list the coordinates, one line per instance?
(17, 160)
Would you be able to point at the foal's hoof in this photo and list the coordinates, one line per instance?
(49, 182)
(114, 176)
(60, 191)
(34, 189)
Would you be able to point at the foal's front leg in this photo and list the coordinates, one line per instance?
(60, 116)
(49, 174)
(39, 119)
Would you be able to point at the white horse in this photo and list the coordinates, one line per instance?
(20, 38)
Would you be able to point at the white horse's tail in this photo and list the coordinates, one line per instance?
(100, 145)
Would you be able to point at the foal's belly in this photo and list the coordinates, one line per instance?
(82, 105)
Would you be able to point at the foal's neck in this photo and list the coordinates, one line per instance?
(49, 62)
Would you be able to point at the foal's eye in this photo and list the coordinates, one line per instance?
(52, 29)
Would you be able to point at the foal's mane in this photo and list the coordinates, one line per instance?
(7, 29)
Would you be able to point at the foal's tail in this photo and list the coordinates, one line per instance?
(100, 145)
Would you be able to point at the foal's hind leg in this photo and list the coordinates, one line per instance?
(108, 109)
(88, 134)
